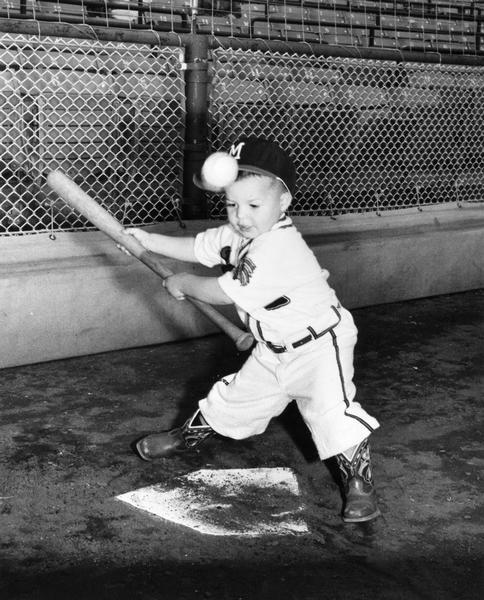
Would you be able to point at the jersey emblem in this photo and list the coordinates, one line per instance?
(244, 271)
(225, 256)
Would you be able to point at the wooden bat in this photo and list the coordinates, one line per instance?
(76, 198)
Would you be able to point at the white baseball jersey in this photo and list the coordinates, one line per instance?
(306, 340)
(275, 280)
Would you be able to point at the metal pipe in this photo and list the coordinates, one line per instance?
(304, 48)
(196, 125)
(90, 29)
(169, 38)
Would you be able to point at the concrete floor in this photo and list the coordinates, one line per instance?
(66, 429)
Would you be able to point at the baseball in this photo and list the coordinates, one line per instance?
(219, 170)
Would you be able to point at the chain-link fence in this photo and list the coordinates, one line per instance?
(110, 115)
(366, 135)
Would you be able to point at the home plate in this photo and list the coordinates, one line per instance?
(239, 502)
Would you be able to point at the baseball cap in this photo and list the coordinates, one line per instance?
(262, 157)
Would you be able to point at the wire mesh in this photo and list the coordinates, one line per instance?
(109, 115)
(365, 135)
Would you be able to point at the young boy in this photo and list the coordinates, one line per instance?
(304, 337)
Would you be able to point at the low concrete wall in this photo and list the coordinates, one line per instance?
(78, 294)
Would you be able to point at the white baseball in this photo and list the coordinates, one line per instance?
(219, 170)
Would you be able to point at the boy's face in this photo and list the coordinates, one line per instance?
(255, 203)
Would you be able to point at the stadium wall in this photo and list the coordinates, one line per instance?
(82, 295)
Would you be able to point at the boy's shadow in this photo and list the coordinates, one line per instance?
(298, 431)
(220, 358)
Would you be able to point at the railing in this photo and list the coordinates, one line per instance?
(453, 27)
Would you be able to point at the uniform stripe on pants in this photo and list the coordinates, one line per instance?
(340, 369)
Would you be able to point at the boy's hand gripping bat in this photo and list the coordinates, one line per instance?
(76, 198)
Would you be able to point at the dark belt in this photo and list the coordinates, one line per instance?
(313, 335)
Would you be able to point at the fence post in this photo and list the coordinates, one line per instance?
(196, 125)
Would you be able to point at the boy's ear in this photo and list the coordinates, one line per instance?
(286, 199)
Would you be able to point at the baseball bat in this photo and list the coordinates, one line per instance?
(76, 198)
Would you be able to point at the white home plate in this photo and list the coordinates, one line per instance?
(248, 502)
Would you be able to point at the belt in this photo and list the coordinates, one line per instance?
(313, 335)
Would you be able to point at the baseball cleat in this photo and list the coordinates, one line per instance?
(360, 502)
(359, 491)
(179, 439)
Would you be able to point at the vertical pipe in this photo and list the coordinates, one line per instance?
(479, 29)
(196, 125)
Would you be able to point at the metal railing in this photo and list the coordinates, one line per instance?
(453, 26)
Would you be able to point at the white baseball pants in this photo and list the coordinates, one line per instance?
(318, 376)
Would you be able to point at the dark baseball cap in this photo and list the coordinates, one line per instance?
(262, 157)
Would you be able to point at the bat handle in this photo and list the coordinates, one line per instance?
(242, 339)
(244, 342)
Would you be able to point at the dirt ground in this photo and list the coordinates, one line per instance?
(66, 429)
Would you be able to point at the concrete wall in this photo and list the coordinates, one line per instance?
(78, 294)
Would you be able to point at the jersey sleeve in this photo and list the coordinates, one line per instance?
(209, 243)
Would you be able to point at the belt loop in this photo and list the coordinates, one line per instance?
(276, 349)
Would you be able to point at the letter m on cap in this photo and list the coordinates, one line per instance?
(235, 151)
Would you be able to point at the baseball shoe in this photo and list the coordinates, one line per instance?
(359, 491)
(166, 443)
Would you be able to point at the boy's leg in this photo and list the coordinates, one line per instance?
(237, 406)
(339, 426)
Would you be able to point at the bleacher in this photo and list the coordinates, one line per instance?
(428, 25)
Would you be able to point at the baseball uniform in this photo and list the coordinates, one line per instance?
(305, 340)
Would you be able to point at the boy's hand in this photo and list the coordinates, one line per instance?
(174, 284)
(139, 234)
